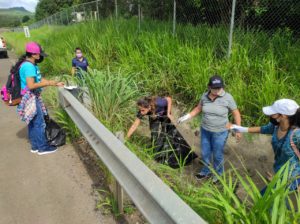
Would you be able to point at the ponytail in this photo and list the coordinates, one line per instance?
(295, 119)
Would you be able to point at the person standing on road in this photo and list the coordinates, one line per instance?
(215, 106)
(31, 109)
(158, 109)
(284, 127)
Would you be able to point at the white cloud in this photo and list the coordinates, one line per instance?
(27, 4)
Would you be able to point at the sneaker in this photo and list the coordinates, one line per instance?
(47, 151)
(200, 176)
(34, 150)
(215, 180)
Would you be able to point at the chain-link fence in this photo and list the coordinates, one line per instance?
(200, 21)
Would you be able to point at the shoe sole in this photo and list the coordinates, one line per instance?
(46, 152)
(33, 151)
(202, 178)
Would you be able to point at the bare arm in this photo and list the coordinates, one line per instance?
(169, 99)
(196, 110)
(237, 120)
(254, 129)
(236, 116)
(31, 84)
(133, 127)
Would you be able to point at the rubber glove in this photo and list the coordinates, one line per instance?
(238, 128)
(183, 118)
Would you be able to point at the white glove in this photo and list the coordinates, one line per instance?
(238, 128)
(183, 118)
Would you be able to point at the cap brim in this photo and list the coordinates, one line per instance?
(269, 111)
(44, 54)
(216, 86)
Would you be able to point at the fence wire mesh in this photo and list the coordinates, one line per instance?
(198, 21)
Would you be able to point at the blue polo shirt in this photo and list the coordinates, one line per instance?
(76, 63)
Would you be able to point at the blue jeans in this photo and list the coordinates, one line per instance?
(212, 144)
(36, 131)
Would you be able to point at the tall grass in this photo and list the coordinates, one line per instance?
(112, 97)
(262, 68)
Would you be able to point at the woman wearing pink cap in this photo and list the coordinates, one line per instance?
(284, 121)
(31, 108)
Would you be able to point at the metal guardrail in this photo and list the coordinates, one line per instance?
(155, 200)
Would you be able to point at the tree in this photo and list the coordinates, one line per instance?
(25, 19)
(46, 8)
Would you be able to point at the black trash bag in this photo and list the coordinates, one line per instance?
(55, 135)
(171, 148)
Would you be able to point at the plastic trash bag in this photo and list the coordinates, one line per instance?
(55, 135)
(171, 148)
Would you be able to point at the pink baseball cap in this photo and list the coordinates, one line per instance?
(35, 48)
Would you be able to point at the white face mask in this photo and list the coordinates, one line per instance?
(217, 92)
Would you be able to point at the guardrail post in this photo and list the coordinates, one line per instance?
(119, 191)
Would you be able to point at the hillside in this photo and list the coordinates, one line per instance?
(13, 16)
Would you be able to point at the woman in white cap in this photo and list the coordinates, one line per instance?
(284, 120)
(215, 105)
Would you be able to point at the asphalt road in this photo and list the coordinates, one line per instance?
(45, 189)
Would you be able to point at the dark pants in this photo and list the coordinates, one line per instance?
(155, 123)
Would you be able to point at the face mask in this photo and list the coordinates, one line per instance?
(39, 60)
(274, 121)
(217, 92)
(79, 55)
(220, 93)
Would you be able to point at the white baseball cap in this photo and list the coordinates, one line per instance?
(284, 106)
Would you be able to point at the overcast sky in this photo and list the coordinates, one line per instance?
(27, 4)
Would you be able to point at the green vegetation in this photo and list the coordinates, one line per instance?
(129, 64)
(262, 67)
(14, 16)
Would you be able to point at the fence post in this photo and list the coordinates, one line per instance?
(98, 16)
(139, 15)
(231, 28)
(116, 8)
(85, 13)
(119, 191)
(61, 18)
(67, 11)
(174, 18)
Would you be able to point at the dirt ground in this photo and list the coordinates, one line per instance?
(47, 189)
(253, 154)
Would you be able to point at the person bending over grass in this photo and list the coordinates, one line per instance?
(158, 109)
(215, 106)
(283, 126)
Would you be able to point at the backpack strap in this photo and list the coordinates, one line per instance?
(293, 145)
